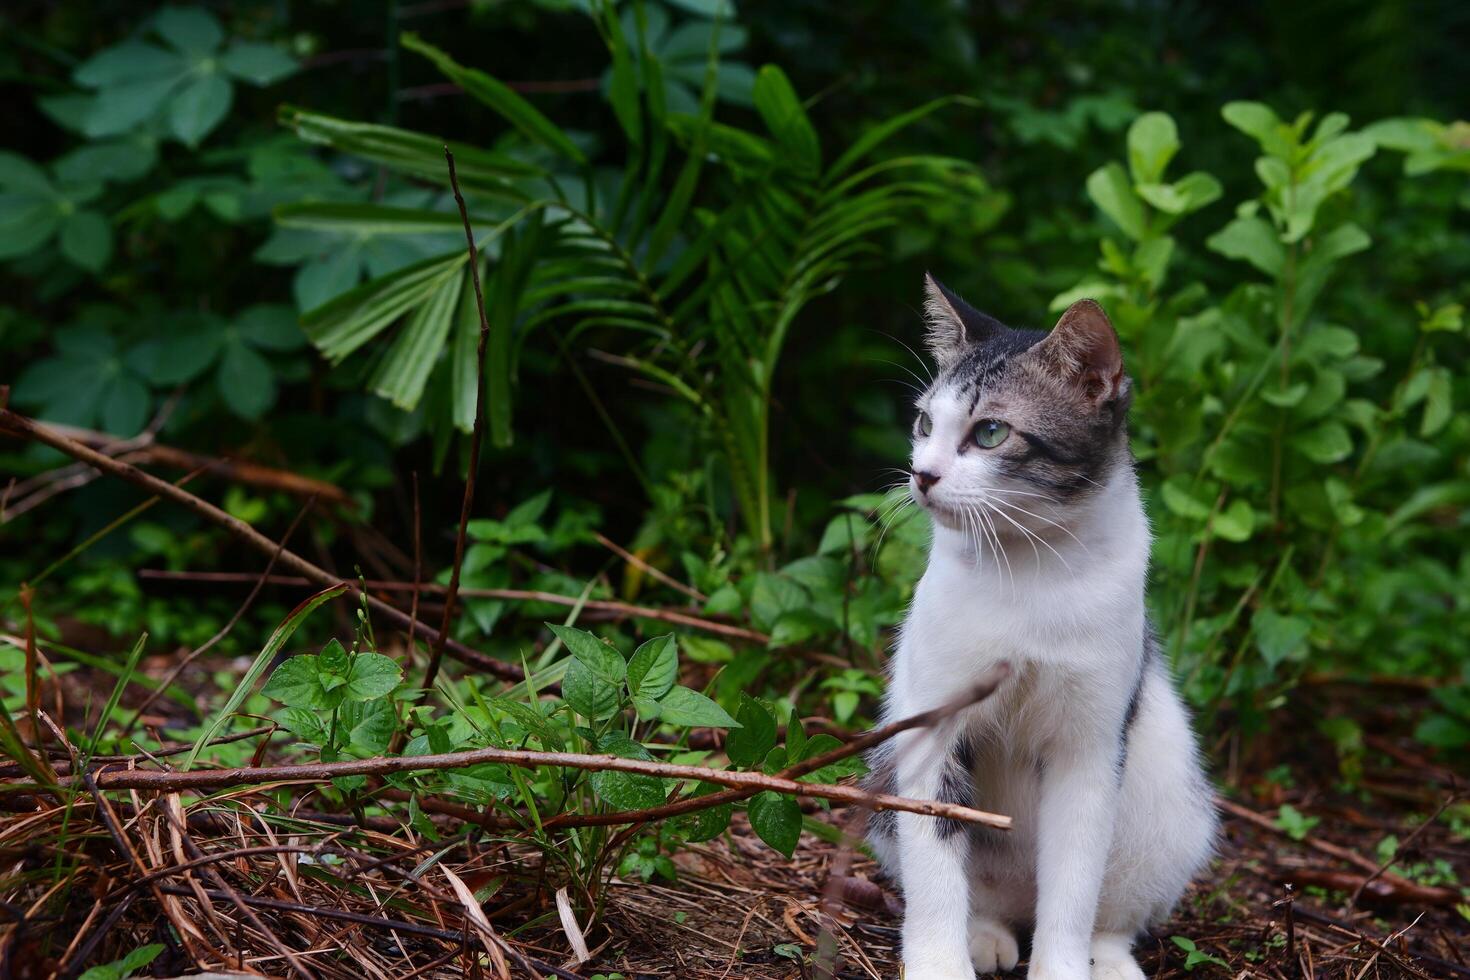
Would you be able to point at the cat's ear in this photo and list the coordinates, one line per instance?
(954, 325)
(1083, 348)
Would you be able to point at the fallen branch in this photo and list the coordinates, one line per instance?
(46, 435)
(1381, 891)
(514, 595)
(146, 779)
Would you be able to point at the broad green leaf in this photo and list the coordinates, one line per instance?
(270, 326)
(199, 107)
(1438, 401)
(193, 30)
(120, 107)
(711, 823)
(1236, 522)
(776, 819)
(372, 675)
(294, 683)
(1253, 240)
(1279, 637)
(498, 96)
(654, 667)
(256, 63)
(1328, 442)
(127, 62)
(627, 790)
(129, 964)
(603, 661)
(1254, 119)
(1111, 191)
(588, 694)
(20, 174)
(681, 706)
(246, 381)
(749, 744)
(123, 407)
(86, 239)
(1179, 496)
(120, 160)
(1153, 139)
(787, 120)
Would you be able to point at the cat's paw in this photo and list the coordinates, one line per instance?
(992, 946)
(1112, 959)
(931, 966)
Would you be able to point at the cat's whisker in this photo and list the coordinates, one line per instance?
(1060, 527)
(1033, 537)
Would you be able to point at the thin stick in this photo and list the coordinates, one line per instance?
(515, 595)
(1399, 851)
(644, 566)
(436, 651)
(524, 758)
(46, 435)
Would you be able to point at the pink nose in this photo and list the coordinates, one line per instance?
(925, 480)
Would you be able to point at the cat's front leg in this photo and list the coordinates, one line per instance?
(932, 857)
(1078, 805)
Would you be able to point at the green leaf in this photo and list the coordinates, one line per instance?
(256, 63)
(654, 667)
(372, 675)
(711, 823)
(127, 62)
(1438, 401)
(246, 382)
(1236, 522)
(681, 706)
(776, 819)
(623, 89)
(1253, 240)
(118, 969)
(1329, 442)
(19, 174)
(495, 94)
(86, 239)
(294, 683)
(270, 326)
(749, 744)
(1280, 637)
(1254, 119)
(121, 107)
(120, 160)
(1178, 494)
(787, 120)
(1111, 191)
(845, 533)
(1153, 139)
(192, 30)
(605, 662)
(404, 372)
(199, 107)
(124, 406)
(589, 695)
(627, 790)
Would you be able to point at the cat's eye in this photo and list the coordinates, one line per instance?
(990, 433)
(925, 425)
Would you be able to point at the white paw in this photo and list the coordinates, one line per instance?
(931, 968)
(1115, 966)
(992, 946)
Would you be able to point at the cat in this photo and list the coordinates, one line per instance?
(1038, 559)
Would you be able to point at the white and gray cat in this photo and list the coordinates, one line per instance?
(1039, 554)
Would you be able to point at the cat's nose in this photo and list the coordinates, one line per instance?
(925, 480)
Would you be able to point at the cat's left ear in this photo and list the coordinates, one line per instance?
(1083, 348)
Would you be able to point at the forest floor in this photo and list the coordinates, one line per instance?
(1297, 842)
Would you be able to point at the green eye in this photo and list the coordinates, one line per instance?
(990, 433)
(925, 425)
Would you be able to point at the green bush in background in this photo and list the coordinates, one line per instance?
(701, 280)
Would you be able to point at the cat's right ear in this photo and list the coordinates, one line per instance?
(954, 326)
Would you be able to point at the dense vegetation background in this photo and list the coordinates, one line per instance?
(227, 232)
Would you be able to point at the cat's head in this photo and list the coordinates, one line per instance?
(1018, 424)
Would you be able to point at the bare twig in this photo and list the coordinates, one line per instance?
(515, 595)
(526, 759)
(648, 569)
(436, 650)
(45, 434)
(1400, 849)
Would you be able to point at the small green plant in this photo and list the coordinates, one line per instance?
(125, 967)
(1294, 823)
(1194, 956)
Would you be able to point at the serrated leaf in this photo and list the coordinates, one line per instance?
(603, 661)
(372, 675)
(776, 819)
(626, 790)
(749, 744)
(681, 706)
(588, 694)
(294, 683)
(654, 668)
